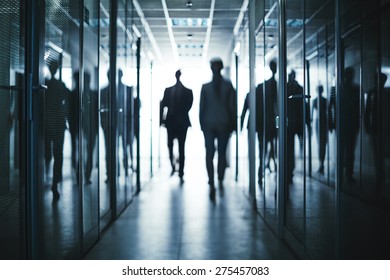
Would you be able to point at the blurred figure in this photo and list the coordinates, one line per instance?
(90, 128)
(120, 108)
(105, 123)
(56, 112)
(217, 115)
(270, 108)
(349, 122)
(136, 107)
(73, 120)
(320, 105)
(295, 116)
(129, 128)
(178, 101)
(259, 123)
(332, 110)
(372, 116)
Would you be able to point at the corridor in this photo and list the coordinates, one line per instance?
(169, 221)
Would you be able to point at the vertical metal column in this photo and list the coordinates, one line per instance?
(237, 120)
(282, 114)
(113, 106)
(151, 119)
(32, 65)
(338, 150)
(138, 117)
(252, 102)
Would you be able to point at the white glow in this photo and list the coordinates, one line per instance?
(386, 71)
(136, 31)
(237, 48)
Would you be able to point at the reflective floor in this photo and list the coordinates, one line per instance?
(169, 220)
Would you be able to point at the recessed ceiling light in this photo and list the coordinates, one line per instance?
(189, 4)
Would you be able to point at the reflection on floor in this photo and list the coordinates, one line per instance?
(59, 221)
(168, 220)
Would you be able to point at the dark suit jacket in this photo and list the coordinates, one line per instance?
(218, 111)
(178, 100)
(259, 109)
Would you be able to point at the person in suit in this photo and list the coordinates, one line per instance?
(349, 122)
(105, 120)
(178, 102)
(217, 116)
(90, 128)
(373, 115)
(320, 105)
(295, 115)
(259, 123)
(270, 107)
(56, 114)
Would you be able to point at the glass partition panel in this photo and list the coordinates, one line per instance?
(270, 113)
(12, 138)
(104, 115)
(120, 112)
(296, 114)
(90, 118)
(59, 220)
(320, 145)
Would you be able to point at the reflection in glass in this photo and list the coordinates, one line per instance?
(90, 123)
(58, 193)
(56, 114)
(12, 131)
(320, 110)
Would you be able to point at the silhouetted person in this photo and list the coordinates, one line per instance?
(320, 105)
(129, 128)
(73, 120)
(295, 115)
(56, 112)
(217, 115)
(90, 128)
(373, 124)
(136, 118)
(178, 100)
(105, 123)
(120, 108)
(259, 123)
(332, 110)
(349, 122)
(270, 106)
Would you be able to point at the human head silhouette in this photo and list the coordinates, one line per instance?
(273, 67)
(291, 76)
(349, 74)
(216, 65)
(382, 79)
(177, 75)
(120, 73)
(320, 89)
(53, 67)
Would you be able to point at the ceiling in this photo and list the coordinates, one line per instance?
(189, 35)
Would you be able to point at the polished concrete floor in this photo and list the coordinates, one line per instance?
(172, 221)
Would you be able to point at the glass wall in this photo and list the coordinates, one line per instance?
(58, 137)
(310, 138)
(58, 145)
(336, 168)
(266, 113)
(104, 116)
(320, 137)
(120, 118)
(268, 180)
(90, 121)
(12, 127)
(363, 133)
